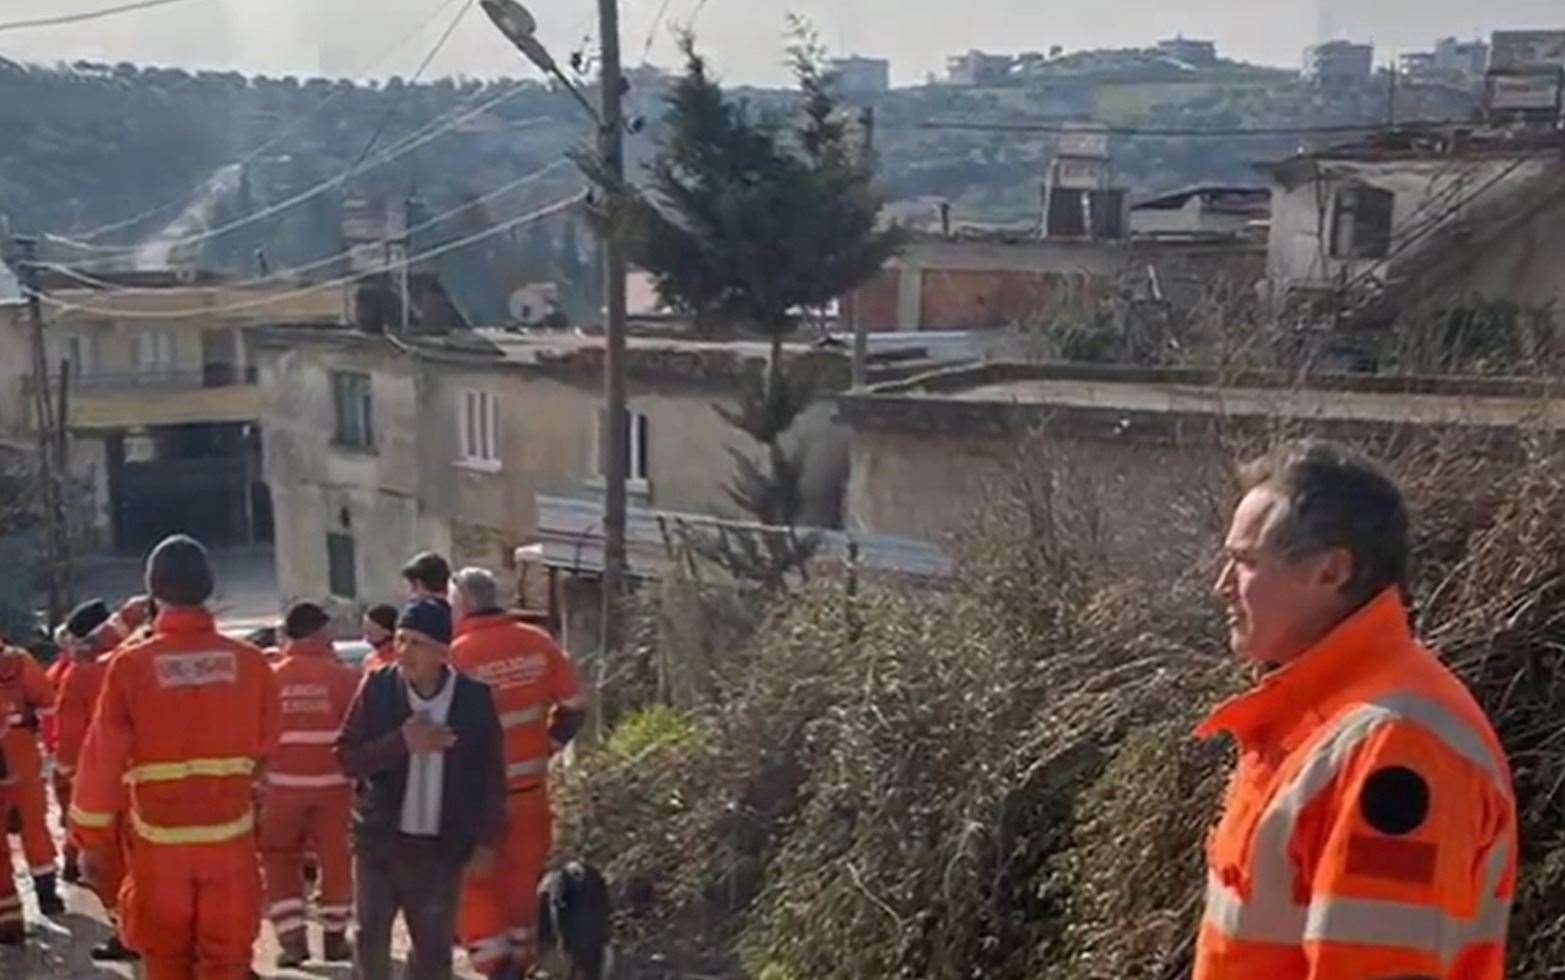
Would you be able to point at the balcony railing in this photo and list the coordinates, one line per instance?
(216, 375)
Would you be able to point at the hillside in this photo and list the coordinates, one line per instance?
(88, 145)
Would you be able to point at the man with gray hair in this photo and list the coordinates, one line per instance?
(1370, 828)
(541, 708)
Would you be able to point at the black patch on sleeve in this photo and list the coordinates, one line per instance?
(1395, 800)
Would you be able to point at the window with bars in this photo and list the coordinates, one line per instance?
(354, 415)
(478, 415)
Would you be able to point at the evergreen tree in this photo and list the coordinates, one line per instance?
(757, 219)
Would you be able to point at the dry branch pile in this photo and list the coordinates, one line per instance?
(996, 780)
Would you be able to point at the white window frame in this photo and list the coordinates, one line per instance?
(638, 476)
(82, 343)
(478, 430)
(156, 349)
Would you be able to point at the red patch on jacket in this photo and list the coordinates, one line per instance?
(1410, 861)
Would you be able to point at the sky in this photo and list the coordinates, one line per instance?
(745, 38)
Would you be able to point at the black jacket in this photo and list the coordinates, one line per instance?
(373, 753)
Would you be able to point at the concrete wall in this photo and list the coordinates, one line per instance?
(318, 487)
(1150, 502)
(548, 443)
(15, 365)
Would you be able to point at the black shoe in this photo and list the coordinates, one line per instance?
(49, 901)
(72, 875)
(294, 950)
(335, 948)
(111, 950)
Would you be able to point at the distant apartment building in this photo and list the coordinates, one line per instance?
(1525, 83)
(976, 68)
(862, 76)
(1338, 63)
(1198, 54)
(1450, 60)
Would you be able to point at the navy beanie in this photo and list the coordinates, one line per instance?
(87, 617)
(431, 617)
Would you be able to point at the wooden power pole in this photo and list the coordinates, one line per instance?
(612, 146)
(50, 425)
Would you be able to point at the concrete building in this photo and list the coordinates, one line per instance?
(1525, 81)
(1337, 64)
(995, 281)
(1197, 54)
(487, 443)
(932, 455)
(1363, 232)
(1214, 211)
(976, 68)
(857, 75)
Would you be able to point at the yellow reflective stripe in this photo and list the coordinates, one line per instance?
(527, 767)
(521, 716)
(90, 818)
(212, 833)
(162, 772)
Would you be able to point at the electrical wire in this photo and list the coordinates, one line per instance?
(1138, 132)
(59, 19)
(395, 152)
(281, 275)
(548, 211)
(261, 149)
(423, 66)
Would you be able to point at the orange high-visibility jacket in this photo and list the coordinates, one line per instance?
(184, 718)
(78, 697)
(529, 677)
(31, 698)
(49, 727)
(1370, 829)
(316, 690)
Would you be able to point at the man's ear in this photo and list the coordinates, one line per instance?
(1335, 569)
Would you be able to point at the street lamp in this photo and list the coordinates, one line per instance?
(520, 28)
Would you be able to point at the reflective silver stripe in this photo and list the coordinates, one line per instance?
(289, 924)
(288, 781)
(529, 767)
(1272, 916)
(488, 950)
(286, 905)
(310, 737)
(521, 716)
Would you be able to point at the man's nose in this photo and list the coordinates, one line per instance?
(1223, 587)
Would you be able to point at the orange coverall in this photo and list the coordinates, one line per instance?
(529, 677)
(10, 901)
(384, 655)
(29, 692)
(184, 719)
(1369, 829)
(49, 729)
(309, 801)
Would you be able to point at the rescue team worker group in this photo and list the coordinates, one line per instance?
(1369, 830)
(209, 784)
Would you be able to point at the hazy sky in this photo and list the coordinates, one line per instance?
(383, 37)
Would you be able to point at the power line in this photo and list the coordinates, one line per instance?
(548, 211)
(397, 150)
(124, 8)
(402, 95)
(116, 289)
(1139, 132)
(258, 151)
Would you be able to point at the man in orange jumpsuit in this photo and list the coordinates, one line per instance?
(92, 644)
(379, 629)
(27, 689)
(185, 719)
(49, 730)
(308, 799)
(13, 927)
(539, 700)
(1370, 829)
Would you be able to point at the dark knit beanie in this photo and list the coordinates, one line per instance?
(304, 619)
(87, 617)
(428, 616)
(384, 616)
(178, 572)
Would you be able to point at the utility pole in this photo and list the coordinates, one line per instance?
(860, 373)
(50, 448)
(611, 137)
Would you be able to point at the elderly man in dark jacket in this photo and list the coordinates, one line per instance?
(423, 743)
